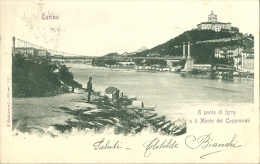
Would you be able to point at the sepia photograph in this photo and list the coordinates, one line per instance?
(129, 81)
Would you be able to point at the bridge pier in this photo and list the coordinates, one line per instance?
(189, 61)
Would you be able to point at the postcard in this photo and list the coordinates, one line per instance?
(129, 81)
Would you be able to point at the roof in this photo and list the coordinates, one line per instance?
(17, 48)
(212, 13)
(228, 48)
(227, 53)
(250, 57)
(216, 22)
(224, 65)
(25, 48)
(248, 51)
(231, 48)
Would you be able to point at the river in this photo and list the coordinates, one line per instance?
(175, 96)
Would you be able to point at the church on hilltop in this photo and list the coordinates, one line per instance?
(214, 24)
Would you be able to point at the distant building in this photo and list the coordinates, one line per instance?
(227, 52)
(58, 56)
(31, 52)
(153, 54)
(43, 53)
(213, 24)
(26, 52)
(238, 61)
(247, 59)
(202, 66)
(172, 63)
(127, 63)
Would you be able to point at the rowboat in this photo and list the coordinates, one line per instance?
(150, 115)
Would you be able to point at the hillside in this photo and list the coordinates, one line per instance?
(142, 49)
(203, 44)
(113, 54)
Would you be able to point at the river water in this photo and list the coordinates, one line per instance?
(175, 96)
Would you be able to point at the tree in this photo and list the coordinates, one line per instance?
(111, 62)
(36, 77)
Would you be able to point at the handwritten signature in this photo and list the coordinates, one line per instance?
(156, 144)
(205, 142)
(192, 142)
(101, 145)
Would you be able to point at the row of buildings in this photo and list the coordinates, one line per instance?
(31, 52)
(243, 58)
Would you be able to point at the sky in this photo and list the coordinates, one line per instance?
(95, 28)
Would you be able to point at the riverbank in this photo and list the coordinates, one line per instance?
(37, 114)
(211, 74)
(69, 112)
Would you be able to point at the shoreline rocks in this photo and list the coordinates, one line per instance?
(124, 120)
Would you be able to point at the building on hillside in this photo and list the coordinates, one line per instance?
(247, 58)
(227, 52)
(214, 24)
(238, 61)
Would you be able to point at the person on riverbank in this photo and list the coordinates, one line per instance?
(89, 88)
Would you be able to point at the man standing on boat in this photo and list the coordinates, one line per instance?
(89, 88)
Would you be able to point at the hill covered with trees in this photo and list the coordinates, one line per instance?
(203, 44)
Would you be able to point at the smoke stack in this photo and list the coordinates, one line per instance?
(183, 56)
(188, 50)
